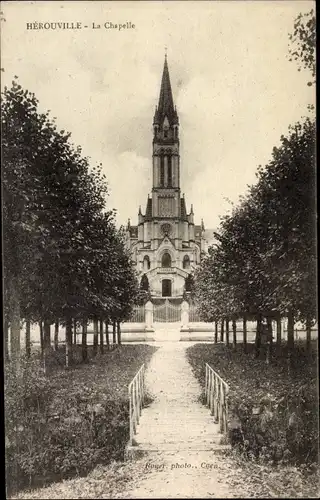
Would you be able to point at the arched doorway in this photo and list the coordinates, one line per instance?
(166, 288)
(166, 260)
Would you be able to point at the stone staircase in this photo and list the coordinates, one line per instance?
(178, 430)
(175, 421)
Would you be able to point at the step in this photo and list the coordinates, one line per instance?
(177, 446)
(163, 447)
(180, 438)
(157, 430)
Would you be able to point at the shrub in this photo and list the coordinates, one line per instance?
(67, 423)
(273, 416)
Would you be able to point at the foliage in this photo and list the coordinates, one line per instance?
(273, 416)
(189, 283)
(264, 261)
(63, 257)
(303, 43)
(106, 481)
(68, 423)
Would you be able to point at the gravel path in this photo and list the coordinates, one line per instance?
(182, 441)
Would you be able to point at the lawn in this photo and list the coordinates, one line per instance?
(66, 423)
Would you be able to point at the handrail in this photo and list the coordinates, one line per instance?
(136, 390)
(216, 390)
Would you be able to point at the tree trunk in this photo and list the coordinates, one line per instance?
(244, 324)
(28, 339)
(107, 334)
(74, 332)
(308, 333)
(68, 343)
(258, 336)
(101, 336)
(46, 343)
(234, 333)
(279, 331)
(114, 333)
(222, 331)
(15, 325)
(95, 336)
(41, 339)
(119, 332)
(216, 332)
(270, 341)
(84, 342)
(290, 330)
(56, 336)
(46, 336)
(6, 340)
(227, 331)
(290, 342)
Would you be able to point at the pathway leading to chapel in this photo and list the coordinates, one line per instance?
(180, 438)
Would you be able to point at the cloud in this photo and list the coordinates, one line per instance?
(235, 90)
(129, 178)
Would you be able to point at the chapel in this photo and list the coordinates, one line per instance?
(167, 245)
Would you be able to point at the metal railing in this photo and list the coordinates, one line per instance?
(194, 315)
(216, 390)
(166, 312)
(136, 391)
(138, 315)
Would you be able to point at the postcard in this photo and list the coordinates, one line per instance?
(159, 249)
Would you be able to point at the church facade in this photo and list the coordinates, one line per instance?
(166, 245)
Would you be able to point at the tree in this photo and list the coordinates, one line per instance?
(264, 262)
(303, 43)
(63, 257)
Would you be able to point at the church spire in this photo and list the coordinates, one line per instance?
(165, 106)
(166, 99)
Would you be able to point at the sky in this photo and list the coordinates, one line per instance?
(235, 90)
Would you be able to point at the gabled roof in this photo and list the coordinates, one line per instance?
(166, 240)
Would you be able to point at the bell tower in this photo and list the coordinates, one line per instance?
(166, 244)
(166, 158)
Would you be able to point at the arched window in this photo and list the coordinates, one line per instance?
(146, 263)
(189, 283)
(161, 171)
(169, 171)
(166, 260)
(144, 283)
(186, 262)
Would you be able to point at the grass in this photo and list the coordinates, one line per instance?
(273, 416)
(273, 413)
(65, 424)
